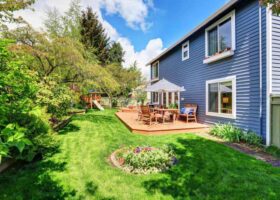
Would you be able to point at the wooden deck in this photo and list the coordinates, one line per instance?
(135, 126)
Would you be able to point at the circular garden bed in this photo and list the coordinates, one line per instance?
(144, 160)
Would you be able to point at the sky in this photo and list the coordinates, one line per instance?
(144, 28)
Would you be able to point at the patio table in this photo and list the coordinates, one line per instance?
(171, 110)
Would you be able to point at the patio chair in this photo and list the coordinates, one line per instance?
(139, 112)
(148, 116)
(191, 116)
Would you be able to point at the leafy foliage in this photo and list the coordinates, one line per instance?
(140, 94)
(39, 70)
(13, 136)
(273, 150)
(93, 35)
(7, 7)
(274, 4)
(56, 98)
(116, 53)
(233, 134)
(67, 25)
(18, 90)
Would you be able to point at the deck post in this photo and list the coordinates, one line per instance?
(179, 100)
(173, 97)
(167, 99)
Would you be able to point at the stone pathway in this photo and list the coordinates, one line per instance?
(256, 152)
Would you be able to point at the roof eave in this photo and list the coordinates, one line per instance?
(216, 14)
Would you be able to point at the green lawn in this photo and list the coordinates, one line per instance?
(80, 169)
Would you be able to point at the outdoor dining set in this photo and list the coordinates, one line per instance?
(159, 114)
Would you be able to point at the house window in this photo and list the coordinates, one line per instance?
(155, 97)
(220, 97)
(186, 51)
(155, 70)
(220, 38)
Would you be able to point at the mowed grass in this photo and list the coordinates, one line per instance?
(80, 168)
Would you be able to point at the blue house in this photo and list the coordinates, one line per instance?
(230, 66)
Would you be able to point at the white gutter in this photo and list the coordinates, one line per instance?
(216, 14)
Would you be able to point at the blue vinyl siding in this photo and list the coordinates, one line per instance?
(245, 65)
(275, 54)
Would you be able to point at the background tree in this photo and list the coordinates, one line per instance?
(101, 78)
(66, 25)
(275, 5)
(116, 53)
(93, 35)
(20, 127)
(59, 57)
(127, 78)
(8, 7)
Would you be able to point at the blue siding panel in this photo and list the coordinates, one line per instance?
(275, 54)
(193, 74)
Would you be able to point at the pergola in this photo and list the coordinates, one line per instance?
(164, 89)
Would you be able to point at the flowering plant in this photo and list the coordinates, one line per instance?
(145, 160)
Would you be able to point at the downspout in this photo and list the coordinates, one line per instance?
(268, 71)
(261, 67)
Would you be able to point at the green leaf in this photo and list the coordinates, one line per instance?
(27, 141)
(20, 146)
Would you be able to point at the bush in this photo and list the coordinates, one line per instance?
(145, 160)
(251, 138)
(231, 133)
(23, 124)
(273, 150)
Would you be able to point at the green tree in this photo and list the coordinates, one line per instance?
(59, 57)
(18, 90)
(116, 53)
(53, 23)
(127, 78)
(93, 36)
(101, 78)
(8, 7)
(66, 25)
(274, 4)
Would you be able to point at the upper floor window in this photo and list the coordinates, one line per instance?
(155, 71)
(186, 51)
(220, 39)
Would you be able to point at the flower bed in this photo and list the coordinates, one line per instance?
(144, 160)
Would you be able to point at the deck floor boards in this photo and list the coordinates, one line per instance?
(130, 120)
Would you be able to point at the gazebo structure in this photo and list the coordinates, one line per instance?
(165, 93)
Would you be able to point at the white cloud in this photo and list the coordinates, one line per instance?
(153, 48)
(133, 12)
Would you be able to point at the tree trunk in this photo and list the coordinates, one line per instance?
(110, 102)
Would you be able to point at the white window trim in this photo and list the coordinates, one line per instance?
(209, 59)
(230, 116)
(184, 49)
(156, 78)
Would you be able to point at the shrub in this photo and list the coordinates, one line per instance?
(231, 133)
(145, 160)
(273, 150)
(251, 138)
(21, 119)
